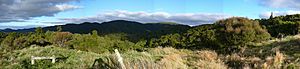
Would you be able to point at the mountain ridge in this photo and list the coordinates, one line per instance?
(131, 28)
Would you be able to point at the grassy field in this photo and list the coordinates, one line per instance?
(273, 54)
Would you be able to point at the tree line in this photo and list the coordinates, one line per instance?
(91, 42)
(231, 34)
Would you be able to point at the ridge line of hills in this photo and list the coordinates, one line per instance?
(116, 22)
(134, 31)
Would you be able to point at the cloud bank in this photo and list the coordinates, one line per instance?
(20, 27)
(295, 4)
(21, 10)
(146, 17)
(278, 13)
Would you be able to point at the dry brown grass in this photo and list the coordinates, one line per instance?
(177, 59)
(170, 58)
(276, 61)
(162, 58)
(205, 60)
(207, 55)
(172, 61)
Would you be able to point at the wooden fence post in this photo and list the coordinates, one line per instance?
(32, 60)
(120, 59)
(53, 59)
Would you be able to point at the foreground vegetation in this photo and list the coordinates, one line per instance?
(161, 58)
(230, 43)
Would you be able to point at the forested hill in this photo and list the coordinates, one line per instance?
(133, 30)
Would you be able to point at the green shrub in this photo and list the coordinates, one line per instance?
(237, 32)
(282, 25)
(97, 44)
(229, 34)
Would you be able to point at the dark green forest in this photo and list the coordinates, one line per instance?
(226, 36)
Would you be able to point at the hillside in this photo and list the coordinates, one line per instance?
(133, 30)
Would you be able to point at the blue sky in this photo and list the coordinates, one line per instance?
(191, 12)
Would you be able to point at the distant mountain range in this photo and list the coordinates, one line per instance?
(134, 30)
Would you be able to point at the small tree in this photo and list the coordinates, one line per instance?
(61, 38)
(58, 28)
(94, 33)
(7, 43)
(39, 30)
(203, 36)
(171, 40)
(237, 31)
(2, 36)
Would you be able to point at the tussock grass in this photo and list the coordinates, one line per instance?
(274, 54)
(65, 58)
(154, 58)
(206, 60)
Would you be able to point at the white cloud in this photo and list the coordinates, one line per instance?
(20, 27)
(64, 7)
(278, 13)
(295, 4)
(20, 10)
(146, 17)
